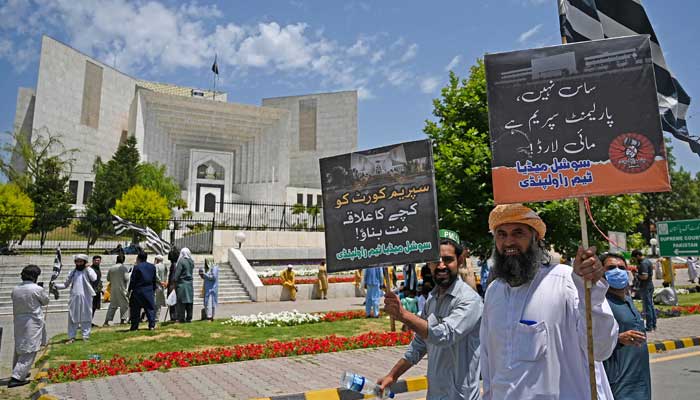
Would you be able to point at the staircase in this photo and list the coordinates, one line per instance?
(231, 290)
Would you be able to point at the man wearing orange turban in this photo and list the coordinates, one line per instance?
(533, 329)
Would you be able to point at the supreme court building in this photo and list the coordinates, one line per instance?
(217, 151)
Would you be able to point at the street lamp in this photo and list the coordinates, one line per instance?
(653, 242)
(239, 237)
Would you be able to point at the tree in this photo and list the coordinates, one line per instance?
(16, 212)
(28, 155)
(462, 157)
(52, 200)
(154, 176)
(112, 180)
(144, 207)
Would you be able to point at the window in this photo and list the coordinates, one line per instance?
(307, 124)
(87, 191)
(92, 95)
(73, 188)
(319, 200)
(309, 200)
(300, 198)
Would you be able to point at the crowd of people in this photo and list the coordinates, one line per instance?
(138, 292)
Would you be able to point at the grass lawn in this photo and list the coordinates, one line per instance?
(689, 299)
(197, 335)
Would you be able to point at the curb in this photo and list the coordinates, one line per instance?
(668, 345)
(413, 384)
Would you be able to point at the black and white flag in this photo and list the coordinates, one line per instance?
(215, 66)
(153, 241)
(582, 20)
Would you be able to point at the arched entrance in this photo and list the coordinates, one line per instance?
(209, 202)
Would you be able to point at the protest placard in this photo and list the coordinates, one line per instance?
(575, 120)
(380, 207)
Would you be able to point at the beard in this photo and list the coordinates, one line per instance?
(445, 282)
(80, 267)
(519, 269)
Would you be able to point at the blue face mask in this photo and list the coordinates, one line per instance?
(617, 278)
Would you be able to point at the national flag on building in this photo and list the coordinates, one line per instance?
(582, 20)
(153, 240)
(215, 66)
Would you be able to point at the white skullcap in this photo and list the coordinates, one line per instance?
(158, 257)
(83, 257)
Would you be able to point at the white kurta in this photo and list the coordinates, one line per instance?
(548, 359)
(81, 293)
(29, 327)
(692, 269)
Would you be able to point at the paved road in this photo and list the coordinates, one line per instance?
(675, 374)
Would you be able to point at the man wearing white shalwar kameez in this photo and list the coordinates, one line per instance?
(692, 269)
(80, 301)
(533, 329)
(28, 298)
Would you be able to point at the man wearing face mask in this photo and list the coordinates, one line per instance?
(628, 366)
(80, 301)
(447, 329)
(533, 331)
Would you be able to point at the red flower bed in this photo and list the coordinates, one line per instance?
(118, 365)
(333, 316)
(304, 281)
(688, 310)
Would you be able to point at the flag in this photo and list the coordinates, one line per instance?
(215, 67)
(57, 265)
(582, 20)
(153, 240)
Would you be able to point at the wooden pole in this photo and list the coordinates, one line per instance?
(387, 290)
(589, 311)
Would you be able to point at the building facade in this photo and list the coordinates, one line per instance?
(217, 151)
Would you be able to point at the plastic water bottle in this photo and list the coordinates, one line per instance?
(360, 384)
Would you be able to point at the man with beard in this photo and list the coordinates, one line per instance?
(533, 331)
(96, 285)
(80, 301)
(447, 329)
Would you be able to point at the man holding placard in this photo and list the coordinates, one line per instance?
(447, 329)
(533, 330)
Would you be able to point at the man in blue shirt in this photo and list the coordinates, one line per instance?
(142, 288)
(628, 366)
(374, 282)
(645, 271)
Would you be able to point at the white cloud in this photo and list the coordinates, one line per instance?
(429, 84)
(377, 56)
(453, 63)
(364, 94)
(410, 53)
(360, 48)
(529, 33)
(397, 77)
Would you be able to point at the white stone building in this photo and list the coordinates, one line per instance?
(217, 151)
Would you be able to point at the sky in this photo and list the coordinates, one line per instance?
(397, 54)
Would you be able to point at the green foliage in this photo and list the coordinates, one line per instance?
(298, 208)
(154, 176)
(144, 207)
(112, 180)
(52, 200)
(313, 210)
(28, 155)
(462, 158)
(15, 207)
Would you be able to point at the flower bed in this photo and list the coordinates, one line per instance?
(290, 318)
(678, 311)
(118, 365)
(307, 281)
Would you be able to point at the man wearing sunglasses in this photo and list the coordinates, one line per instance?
(447, 330)
(628, 366)
(533, 330)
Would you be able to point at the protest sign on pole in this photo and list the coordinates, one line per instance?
(380, 207)
(575, 121)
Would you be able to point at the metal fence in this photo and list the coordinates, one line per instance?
(78, 234)
(274, 217)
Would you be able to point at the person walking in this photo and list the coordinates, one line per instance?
(142, 287)
(162, 276)
(118, 278)
(373, 283)
(645, 274)
(693, 268)
(288, 282)
(80, 301)
(28, 298)
(96, 285)
(323, 280)
(182, 277)
(173, 255)
(627, 368)
(210, 276)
